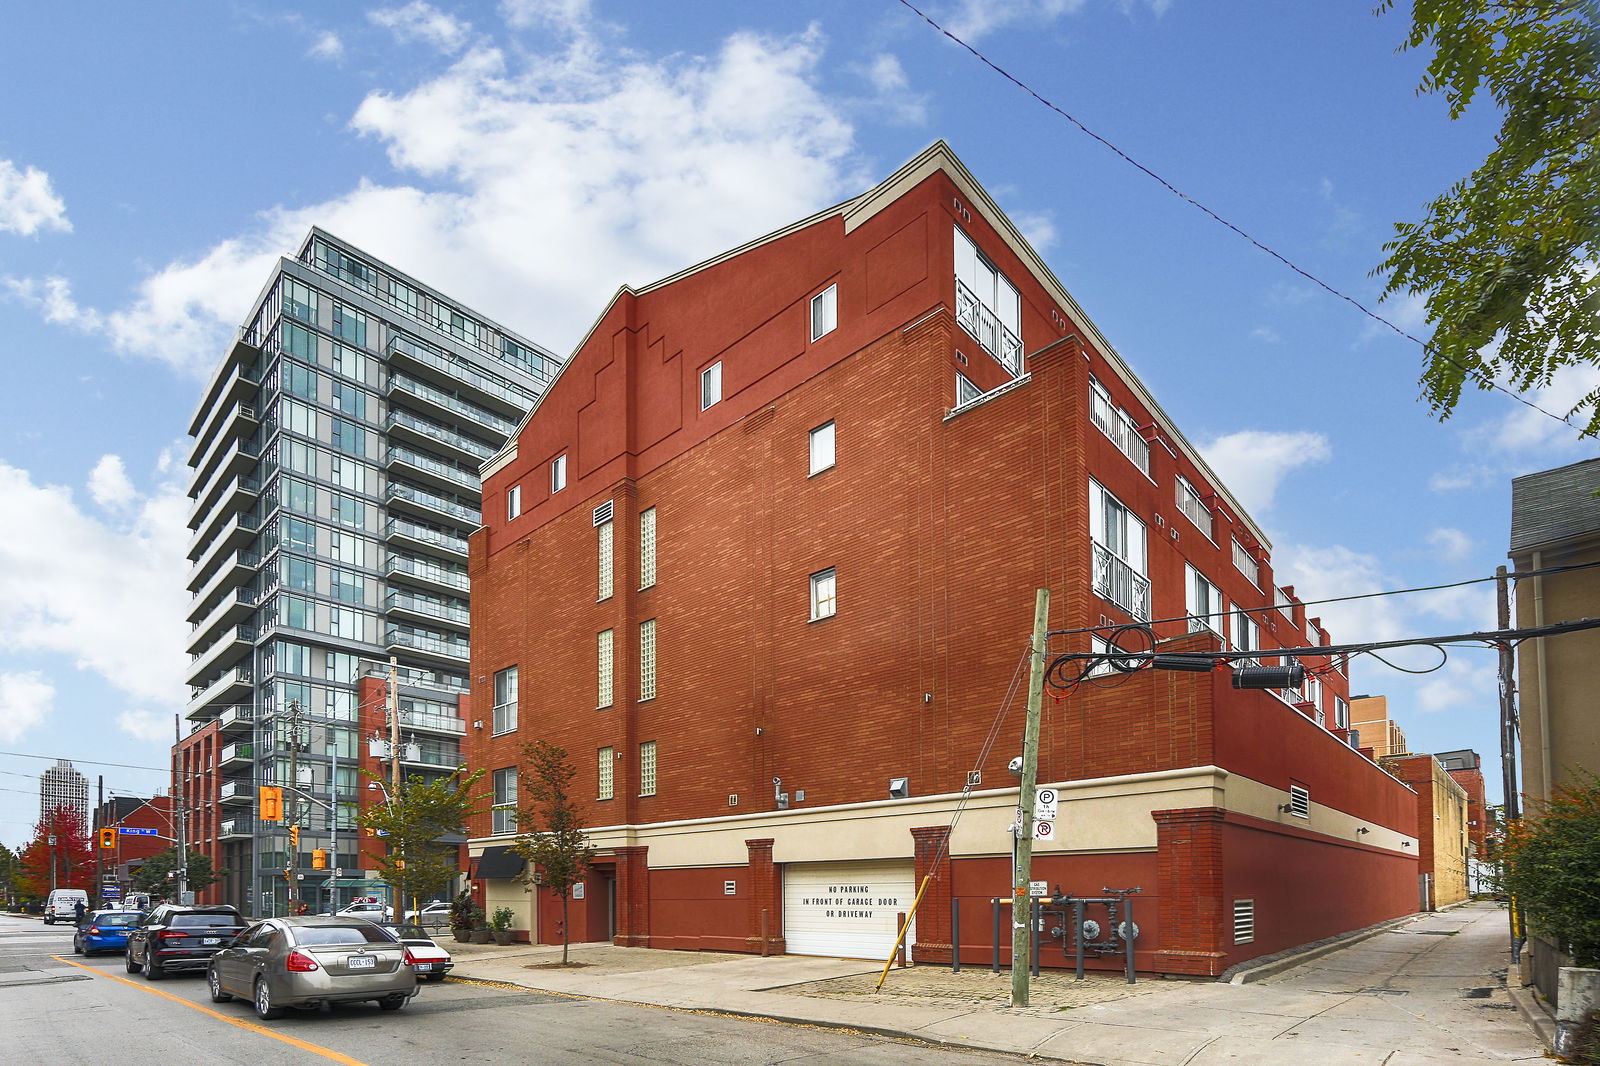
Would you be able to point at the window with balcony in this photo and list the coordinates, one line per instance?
(1246, 563)
(647, 659)
(504, 816)
(604, 580)
(1119, 546)
(605, 652)
(822, 448)
(647, 548)
(1117, 424)
(987, 305)
(605, 765)
(1193, 507)
(710, 385)
(825, 312)
(647, 768)
(1203, 602)
(505, 700)
(1246, 637)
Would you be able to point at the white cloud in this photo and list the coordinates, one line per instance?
(569, 16)
(26, 700)
(1451, 544)
(109, 595)
(894, 96)
(1253, 463)
(27, 202)
(1532, 432)
(420, 21)
(326, 45)
(1265, 333)
(1467, 681)
(146, 725)
(971, 19)
(1038, 226)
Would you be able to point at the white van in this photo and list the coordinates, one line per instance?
(63, 905)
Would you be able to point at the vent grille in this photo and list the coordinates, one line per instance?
(1244, 921)
(602, 514)
(1299, 802)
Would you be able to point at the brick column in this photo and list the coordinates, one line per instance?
(633, 898)
(933, 913)
(765, 898)
(1189, 872)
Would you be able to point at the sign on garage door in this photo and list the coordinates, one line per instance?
(846, 910)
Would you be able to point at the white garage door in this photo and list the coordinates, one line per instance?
(846, 910)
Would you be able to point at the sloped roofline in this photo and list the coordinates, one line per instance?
(938, 156)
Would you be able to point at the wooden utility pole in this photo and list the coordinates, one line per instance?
(1022, 873)
(1512, 806)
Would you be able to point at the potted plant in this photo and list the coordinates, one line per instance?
(461, 921)
(481, 933)
(500, 926)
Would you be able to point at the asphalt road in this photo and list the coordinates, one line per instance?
(58, 1009)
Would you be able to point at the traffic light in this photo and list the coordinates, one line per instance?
(294, 837)
(108, 838)
(319, 859)
(271, 799)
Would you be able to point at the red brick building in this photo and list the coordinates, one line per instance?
(763, 560)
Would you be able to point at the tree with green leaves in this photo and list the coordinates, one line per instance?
(551, 836)
(420, 826)
(10, 867)
(1550, 863)
(1506, 258)
(151, 876)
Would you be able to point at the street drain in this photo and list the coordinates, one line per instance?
(1476, 993)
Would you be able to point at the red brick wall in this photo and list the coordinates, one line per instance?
(1477, 807)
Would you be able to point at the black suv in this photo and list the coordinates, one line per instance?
(174, 937)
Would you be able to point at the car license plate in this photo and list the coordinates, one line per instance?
(362, 962)
(423, 967)
(211, 940)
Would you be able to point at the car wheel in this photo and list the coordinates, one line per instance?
(153, 970)
(394, 1002)
(217, 994)
(77, 946)
(129, 963)
(49, 920)
(264, 1008)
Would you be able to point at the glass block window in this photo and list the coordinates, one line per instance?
(647, 659)
(647, 768)
(605, 653)
(603, 561)
(605, 765)
(647, 548)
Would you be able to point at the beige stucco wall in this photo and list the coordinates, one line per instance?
(1449, 838)
(1559, 729)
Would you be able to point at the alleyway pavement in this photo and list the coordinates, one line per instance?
(1422, 993)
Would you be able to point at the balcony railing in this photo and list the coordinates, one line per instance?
(399, 527)
(440, 469)
(437, 503)
(987, 329)
(1115, 423)
(431, 608)
(439, 433)
(1121, 584)
(461, 370)
(401, 564)
(442, 723)
(455, 649)
(454, 404)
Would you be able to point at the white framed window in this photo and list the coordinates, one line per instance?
(710, 385)
(558, 473)
(1284, 604)
(966, 391)
(605, 658)
(1246, 563)
(647, 547)
(505, 802)
(1193, 507)
(605, 765)
(1312, 691)
(1341, 713)
(513, 502)
(1246, 637)
(603, 561)
(647, 768)
(1119, 553)
(824, 594)
(825, 312)
(1299, 801)
(647, 659)
(505, 700)
(988, 306)
(1101, 646)
(822, 448)
(1203, 602)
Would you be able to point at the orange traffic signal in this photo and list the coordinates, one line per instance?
(271, 798)
(108, 838)
(294, 836)
(319, 859)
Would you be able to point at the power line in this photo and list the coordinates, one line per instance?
(1476, 375)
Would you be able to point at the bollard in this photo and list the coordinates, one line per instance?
(955, 934)
(996, 904)
(766, 941)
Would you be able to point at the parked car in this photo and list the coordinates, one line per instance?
(429, 961)
(306, 962)
(104, 931)
(435, 914)
(375, 912)
(62, 905)
(174, 937)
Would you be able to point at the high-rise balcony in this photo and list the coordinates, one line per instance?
(236, 792)
(1121, 584)
(234, 606)
(237, 755)
(403, 425)
(404, 603)
(224, 497)
(233, 422)
(418, 572)
(458, 375)
(237, 719)
(231, 685)
(399, 531)
(430, 471)
(430, 505)
(239, 828)
(234, 380)
(444, 404)
(232, 645)
(237, 532)
(454, 652)
(437, 723)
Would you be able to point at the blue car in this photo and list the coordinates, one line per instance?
(104, 931)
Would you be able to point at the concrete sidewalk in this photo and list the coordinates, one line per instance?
(1425, 993)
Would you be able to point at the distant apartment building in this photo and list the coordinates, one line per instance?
(335, 480)
(1444, 851)
(1369, 719)
(63, 786)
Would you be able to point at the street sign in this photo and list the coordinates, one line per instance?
(111, 891)
(137, 832)
(1044, 804)
(1044, 829)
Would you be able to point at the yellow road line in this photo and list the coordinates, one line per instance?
(315, 1049)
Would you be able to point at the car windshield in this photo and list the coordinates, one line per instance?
(342, 934)
(116, 920)
(207, 920)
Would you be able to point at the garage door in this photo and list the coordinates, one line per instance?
(845, 910)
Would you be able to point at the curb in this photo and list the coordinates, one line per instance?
(1273, 967)
(1534, 1013)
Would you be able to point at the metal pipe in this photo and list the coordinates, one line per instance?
(955, 934)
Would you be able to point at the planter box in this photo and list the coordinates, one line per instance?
(1579, 997)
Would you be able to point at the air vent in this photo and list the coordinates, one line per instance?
(246, 411)
(1299, 802)
(1244, 921)
(602, 514)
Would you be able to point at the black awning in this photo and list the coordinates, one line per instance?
(499, 862)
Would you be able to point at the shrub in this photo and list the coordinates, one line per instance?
(1552, 868)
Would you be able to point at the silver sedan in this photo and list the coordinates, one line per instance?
(307, 962)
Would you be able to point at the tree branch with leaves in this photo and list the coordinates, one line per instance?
(414, 823)
(551, 836)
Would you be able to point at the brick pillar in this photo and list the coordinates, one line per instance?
(765, 899)
(633, 898)
(933, 913)
(1189, 872)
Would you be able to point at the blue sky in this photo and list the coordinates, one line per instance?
(528, 157)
